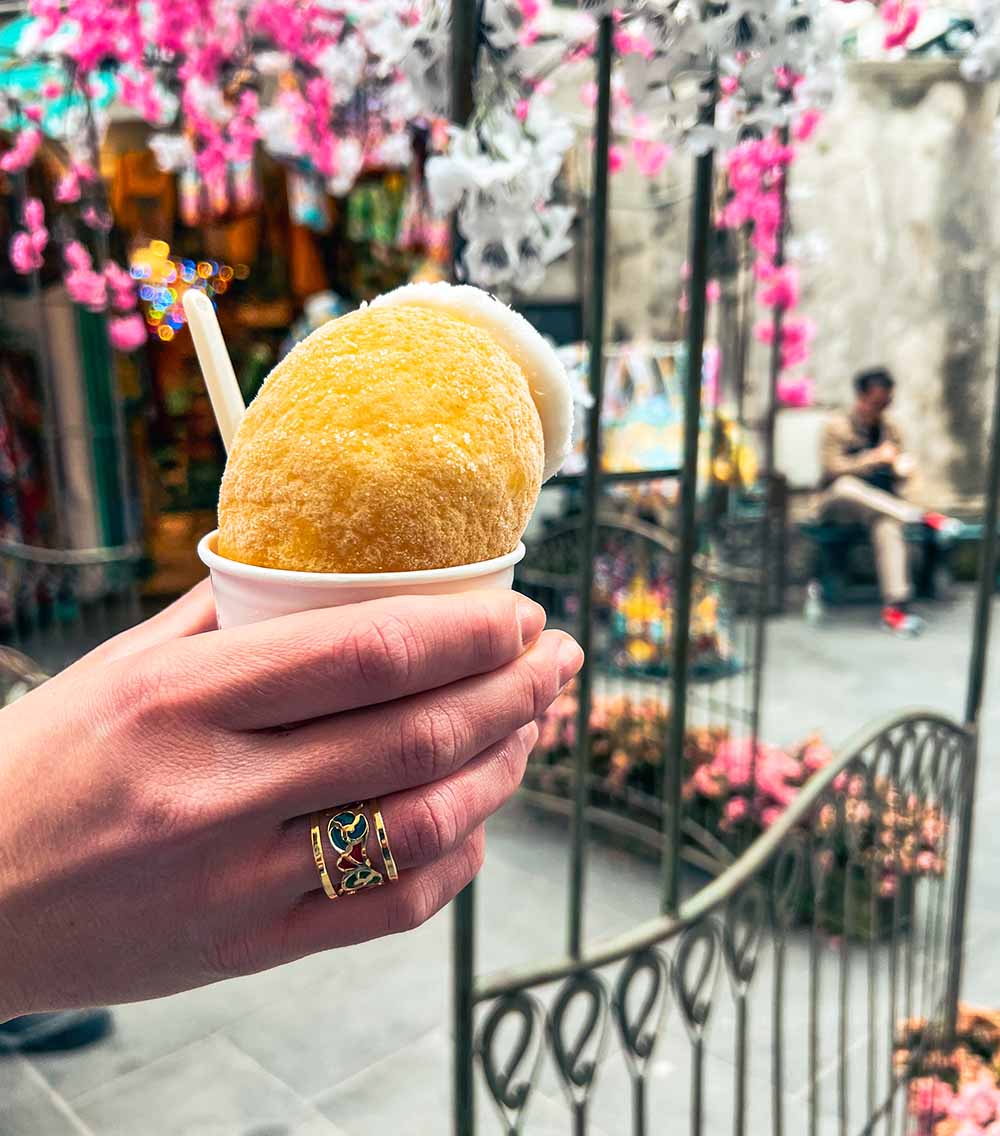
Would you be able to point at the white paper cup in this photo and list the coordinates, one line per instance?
(245, 593)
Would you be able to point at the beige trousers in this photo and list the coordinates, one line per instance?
(851, 499)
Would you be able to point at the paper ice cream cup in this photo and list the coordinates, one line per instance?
(245, 593)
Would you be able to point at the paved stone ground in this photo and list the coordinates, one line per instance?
(358, 1040)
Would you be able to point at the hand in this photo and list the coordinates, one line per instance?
(154, 833)
(905, 466)
(885, 454)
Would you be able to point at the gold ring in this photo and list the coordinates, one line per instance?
(383, 843)
(316, 835)
(347, 830)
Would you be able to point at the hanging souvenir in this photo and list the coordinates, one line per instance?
(307, 202)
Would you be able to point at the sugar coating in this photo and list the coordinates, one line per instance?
(391, 439)
(547, 378)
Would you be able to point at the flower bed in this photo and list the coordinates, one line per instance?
(873, 845)
(954, 1092)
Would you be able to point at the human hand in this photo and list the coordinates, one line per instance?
(905, 466)
(885, 454)
(155, 833)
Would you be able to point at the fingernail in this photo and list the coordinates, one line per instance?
(531, 617)
(569, 660)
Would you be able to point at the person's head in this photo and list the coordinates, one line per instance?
(873, 391)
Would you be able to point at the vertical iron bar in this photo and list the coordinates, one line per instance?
(770, 416)
(639, 1105)
(701, 222)
(814, 991)
(740, 1103)
(777, 1038)
(592, 480)
(697, 1085)
(874, 929)
(465, 31)
(973, 701)
(845, 982)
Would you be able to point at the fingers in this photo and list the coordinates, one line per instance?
(422, 825)
(403, 744)
(192, 614)
(317, 923)
(319, 663)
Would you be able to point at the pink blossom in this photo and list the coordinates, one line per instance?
(770, 814)
(782, 290)
(978, 1101)
(23, 152)
(628, 43)
(51, 89)
(521, 108)
(33, 214)
(76, 256)
(23, 255)
(650, 157)
(901, 21)
(729, 85)
(806, 124)
(616, 159)
(713, 291)
(127, 332)
(68, 188)
(33, 113)
(530, 10)
(87, 288)
(734, 810)
(799, 391)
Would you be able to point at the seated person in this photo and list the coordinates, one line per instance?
(864, 466)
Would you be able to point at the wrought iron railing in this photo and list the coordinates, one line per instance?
(834, 927)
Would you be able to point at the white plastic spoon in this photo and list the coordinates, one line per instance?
(216, 366)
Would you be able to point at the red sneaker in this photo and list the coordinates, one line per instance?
(945, 526)
(901, 622)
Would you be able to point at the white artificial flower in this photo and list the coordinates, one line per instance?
(395, 150)
(343, 64)
(350, 158)
(173, 152)
(272, 62)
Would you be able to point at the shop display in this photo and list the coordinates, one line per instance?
(412, 434)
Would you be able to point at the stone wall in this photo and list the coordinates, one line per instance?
(891, 208)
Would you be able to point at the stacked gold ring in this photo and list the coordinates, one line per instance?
(347, 830)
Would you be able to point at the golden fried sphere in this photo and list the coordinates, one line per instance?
(391, 439)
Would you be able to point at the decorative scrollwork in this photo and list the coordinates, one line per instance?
(788, 876)
(694, 992)
(742, 932)
(639, 1030)
(512, 1079)
(577, 1059)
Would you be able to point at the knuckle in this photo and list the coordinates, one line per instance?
(435, 824)
(489, 627)
(535, 691)
(428, 742)
(387, 651)
(412, 908)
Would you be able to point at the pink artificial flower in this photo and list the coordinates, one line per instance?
(628, 43)
(782, 289)
(121, 286)
(799, 391)
(23, 152)
(33, 114)
(67, 188)
(530, 10)
(650, 157)
(901, 21)
(729, 85)
(521, 108)
(978, 1101)
(76, 256)
(51, 89)
(616, 159)
(33, 214)
(127, 333)
(87, 288)
(713, 291)
(734, 811)
(806, 124)
(770, 814)
(24, 257)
